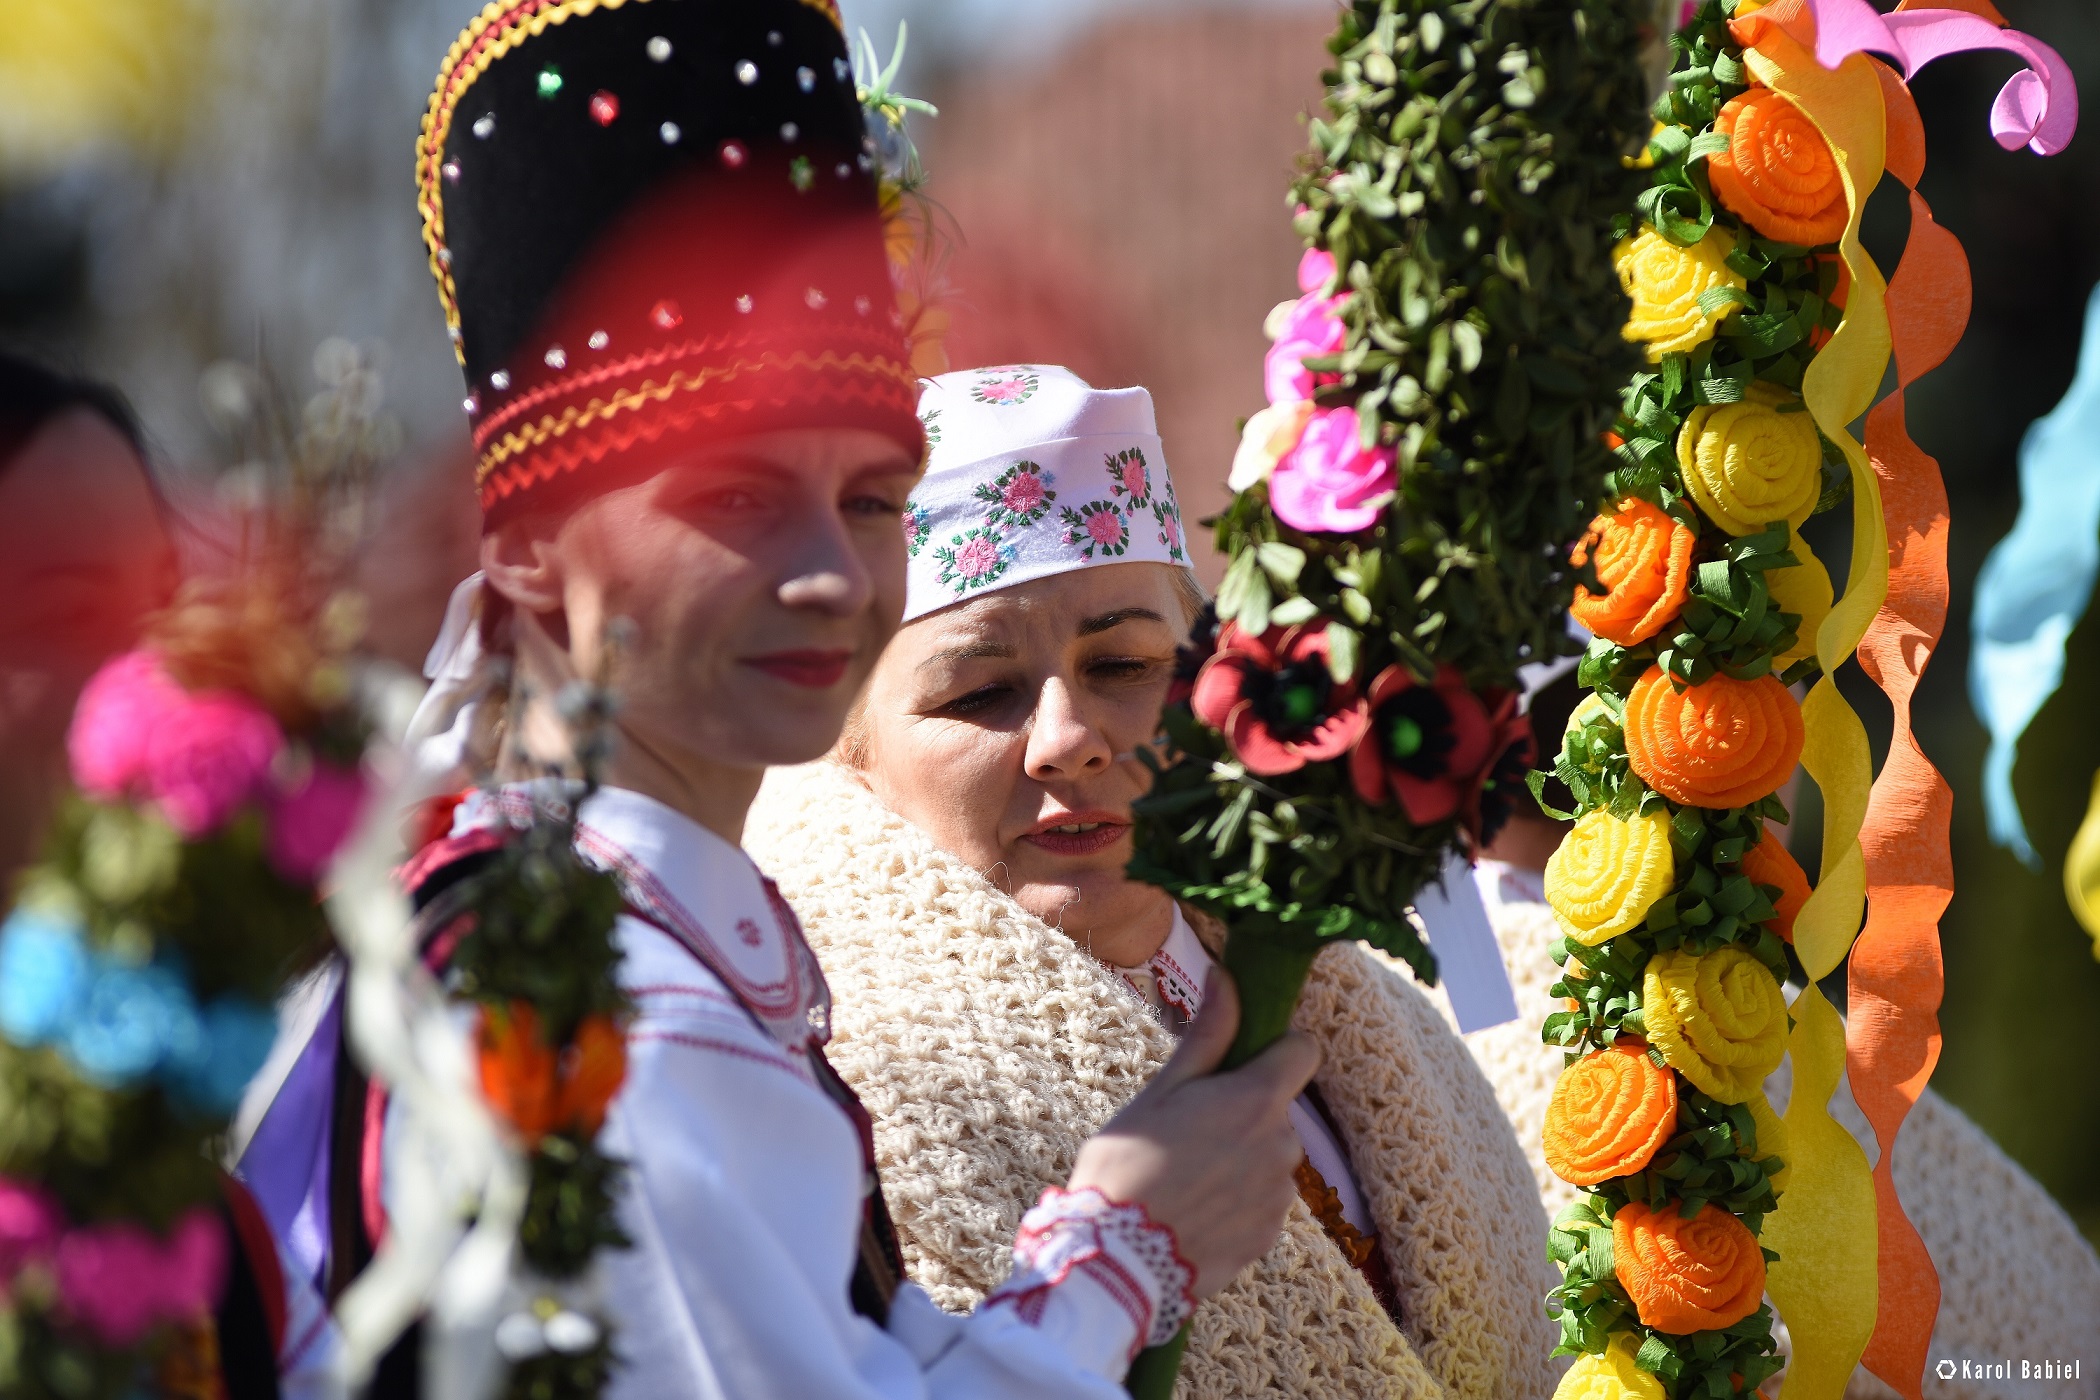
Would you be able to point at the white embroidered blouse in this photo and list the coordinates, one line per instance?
(745, 1188)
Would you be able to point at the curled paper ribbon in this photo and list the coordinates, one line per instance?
(2037, 583)
(1824, 1229)
(2037, 107)
(2082, 870)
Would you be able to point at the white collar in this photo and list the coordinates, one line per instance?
(1174, 975)
(694, 886)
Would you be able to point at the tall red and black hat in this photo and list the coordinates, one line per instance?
(651, 222)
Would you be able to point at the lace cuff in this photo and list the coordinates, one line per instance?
(1116, 1250)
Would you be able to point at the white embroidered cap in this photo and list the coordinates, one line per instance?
(1031, 471)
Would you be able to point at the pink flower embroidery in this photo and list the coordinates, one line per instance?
(1024, 493)
(1310, 328)
(1128, 468)
(1004, 390)
(972, 559)
(977, 558)
(1330, 482)
(1095, 527)
(1104, 529)
(117, 713)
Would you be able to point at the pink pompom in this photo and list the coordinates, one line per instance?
(119, 1282)
(1309, 328)
(307, 826)
(1330, 482)
(29, 1226)
(117, 712)
(1315, 270)
(208, 757)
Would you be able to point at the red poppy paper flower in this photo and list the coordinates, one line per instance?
(1275, 701)
(1427, 745)
(1504, 780)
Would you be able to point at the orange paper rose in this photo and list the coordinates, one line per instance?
(1719, 744)
(1611, 1110)
(1697, 1275)
(1770, 863)
(539, 1089)
(1778, 174)
(1644, 561)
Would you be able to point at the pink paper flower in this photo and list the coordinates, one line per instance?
(1309, 328)
(1315, 269)
(309, 825)
(29, 1226)
(120, 1282)
(206, 757)
(117, 712)
(1330, 482)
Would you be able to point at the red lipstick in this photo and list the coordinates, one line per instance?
(812, 669)
(1078, 833)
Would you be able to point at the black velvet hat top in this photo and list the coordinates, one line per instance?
(651, 221)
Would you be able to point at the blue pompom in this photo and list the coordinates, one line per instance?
(45, 971)
(133, 1020)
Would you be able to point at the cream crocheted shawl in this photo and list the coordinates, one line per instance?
(988, 1046)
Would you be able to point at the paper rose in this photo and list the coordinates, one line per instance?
(537, 1091)
(1427, 745)
(1611, 1110)
(1748, 464)
(1268, 435)
(1644, 560)
(1329, 482)
(45, 973)
(131, 1021)
(30, 1221)
(1275, 701)
(1696, 1275)
(308, 824)
(1606, 874)
(208, 756)
(1770, 863)
(1721, 743)
(1612, 1374)
(112, 721)
(1308, 327)
(1505, 783)
(1666, 282)
(1316, 269)
(120, 1282)
(1804, 590)
(1720, 1020)
(1778, 174)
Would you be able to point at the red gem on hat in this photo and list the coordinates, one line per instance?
(604, 107)
(733, 154)
(666, 315)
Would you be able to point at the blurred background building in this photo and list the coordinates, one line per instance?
(188, 181)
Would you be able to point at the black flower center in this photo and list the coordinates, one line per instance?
(1415, 728)
(1505, 787)
(1292, 700)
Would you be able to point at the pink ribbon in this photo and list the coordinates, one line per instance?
(2037, 107)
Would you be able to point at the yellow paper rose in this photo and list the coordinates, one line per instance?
(1666, 282)
(1612, 1376)
(1772, 1140)
(1606, 874)
(1803, 590)
(1748, 464)
(1719, 1020)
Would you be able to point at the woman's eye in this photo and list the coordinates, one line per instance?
(728, 500)
(1125, 667)
(872, 505)
(976, 702)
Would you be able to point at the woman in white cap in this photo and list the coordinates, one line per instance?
(1001, 987)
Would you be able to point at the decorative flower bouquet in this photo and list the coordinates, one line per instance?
(1767, 330)
(217, 770)
(1433, 445)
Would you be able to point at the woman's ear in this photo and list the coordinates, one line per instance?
(523, 563)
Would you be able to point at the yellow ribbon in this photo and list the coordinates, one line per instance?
(1824, 1228)
(2082, 870)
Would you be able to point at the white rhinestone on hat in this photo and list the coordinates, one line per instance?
(556, 357)
(472, 403)
(599, 340)
(450, 170)
(743, 304)
(773, 37)
(844, 171)
(444, 257)
(746, 72)
(789, 131)
(452, 333)
(485, 126)
(500, 380)
(659, 49)
(841, 69)
(670, 133)
(862, 305)
(806, 79)
(813, 299)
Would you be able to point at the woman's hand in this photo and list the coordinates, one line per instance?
(1210, 1155)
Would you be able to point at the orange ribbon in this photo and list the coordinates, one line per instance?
(1896, 978)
